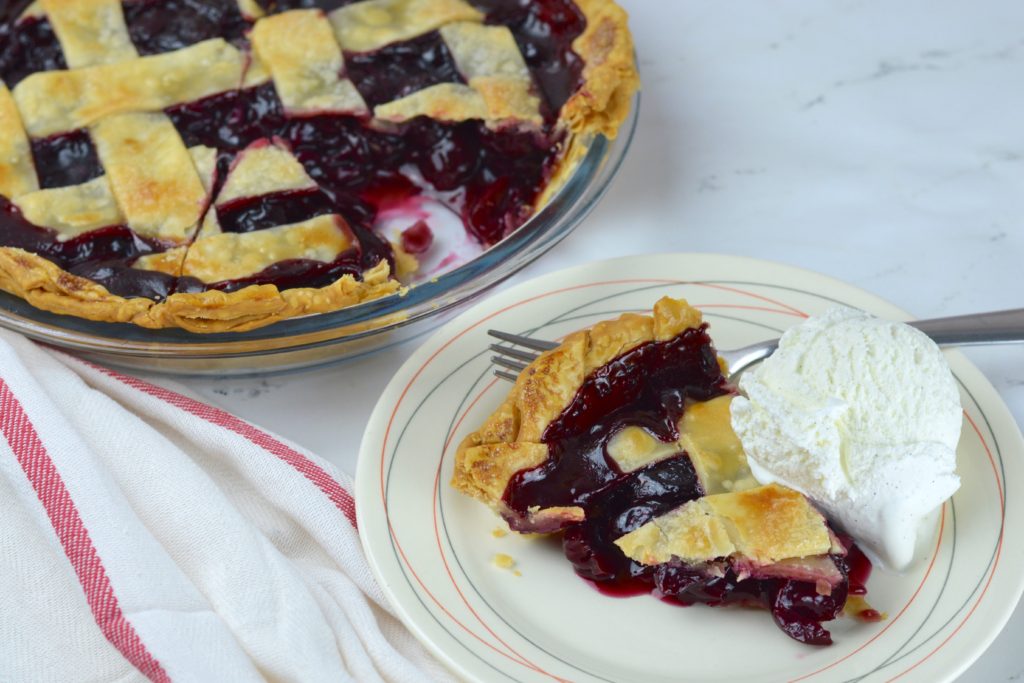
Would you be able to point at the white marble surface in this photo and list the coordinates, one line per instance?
(881, 143)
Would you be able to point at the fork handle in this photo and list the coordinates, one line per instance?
(996, 327)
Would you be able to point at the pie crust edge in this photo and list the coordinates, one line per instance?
(610, 76)
(46, 286)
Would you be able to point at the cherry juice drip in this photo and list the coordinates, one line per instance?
(494, 176)
(649, 387)
(859, 567)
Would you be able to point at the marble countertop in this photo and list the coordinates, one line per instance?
(879, 143)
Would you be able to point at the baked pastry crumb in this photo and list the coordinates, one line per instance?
(503, 561)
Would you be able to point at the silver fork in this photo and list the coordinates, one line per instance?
(996, 327)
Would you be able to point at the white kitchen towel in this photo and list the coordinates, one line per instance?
(144, 534)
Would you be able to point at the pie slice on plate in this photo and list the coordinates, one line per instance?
(620, 440)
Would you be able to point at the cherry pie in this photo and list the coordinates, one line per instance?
(620, 439)
(222, 164)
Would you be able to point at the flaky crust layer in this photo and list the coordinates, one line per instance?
(509, 441)
(48, 287)
(610, 76)
(766, 525)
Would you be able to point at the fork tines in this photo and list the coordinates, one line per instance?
(528, 342)
(515, 359)
(509, 363)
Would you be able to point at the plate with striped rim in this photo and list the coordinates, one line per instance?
(433, 550)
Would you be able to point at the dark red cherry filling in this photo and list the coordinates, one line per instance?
(281, 208)
(401, 69)
(545, 32)
(500, 173)
(121, 279)
(66, 159)
(796, 606)
(28, 46)
(229, 121)
(157, 26)
(300, 273)
(417, 238)
(490, 178)
(645, 387)
(650, 387)
(101, 255)
(624, 505)
(859, 567)
(274, 6)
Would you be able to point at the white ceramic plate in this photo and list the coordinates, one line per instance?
(432, 549)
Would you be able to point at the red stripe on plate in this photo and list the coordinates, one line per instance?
(995, 560)
(74, 537)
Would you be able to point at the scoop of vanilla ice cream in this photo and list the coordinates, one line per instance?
(862, 416)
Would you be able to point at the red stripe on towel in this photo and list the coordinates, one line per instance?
(74, 537)
(341, 498)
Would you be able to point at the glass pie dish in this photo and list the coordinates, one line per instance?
(327, 337)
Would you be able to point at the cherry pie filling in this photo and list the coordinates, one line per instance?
(490, 177)
(651, 387)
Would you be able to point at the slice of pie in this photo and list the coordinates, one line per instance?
(219, 165)
(620, 440)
